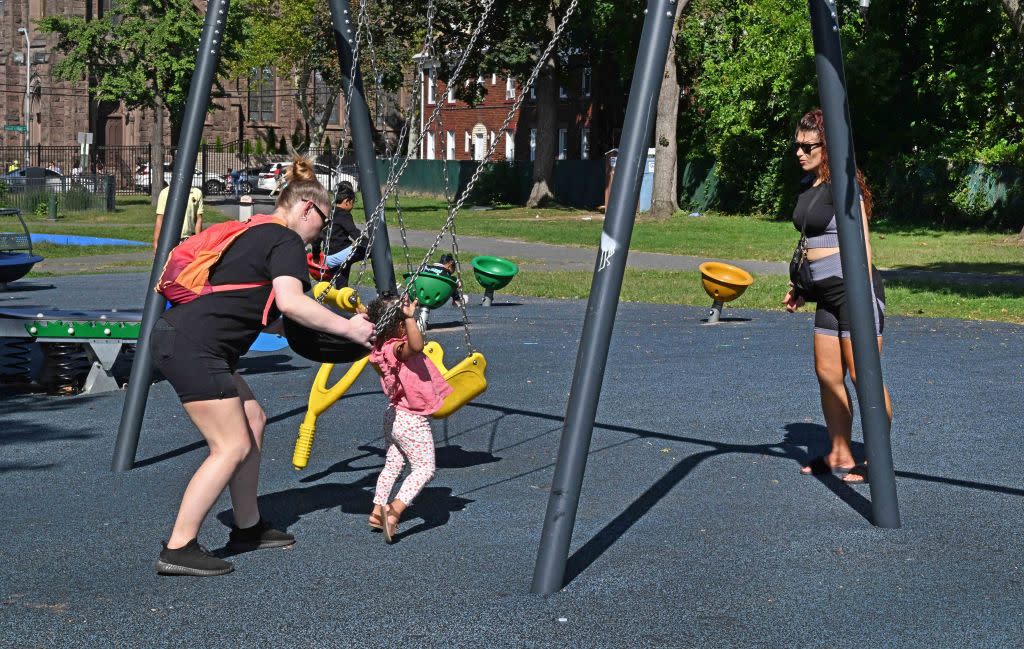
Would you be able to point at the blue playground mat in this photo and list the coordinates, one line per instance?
(695, 528)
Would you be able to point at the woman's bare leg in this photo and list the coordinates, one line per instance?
(835, 400)
(847, 347)
(245, 482)
(223, 424)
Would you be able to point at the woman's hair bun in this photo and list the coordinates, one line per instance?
(301, 169)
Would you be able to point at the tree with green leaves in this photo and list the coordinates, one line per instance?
(295, 38)
(601, 34)
(141, 53)
(1016, 13)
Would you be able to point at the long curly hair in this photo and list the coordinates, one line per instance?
(813, 121)
(375, 312)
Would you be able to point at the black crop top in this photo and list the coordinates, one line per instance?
(815, 207)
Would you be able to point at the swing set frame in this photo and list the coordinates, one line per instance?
(609, 267)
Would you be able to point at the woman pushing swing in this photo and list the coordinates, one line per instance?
(260, 272)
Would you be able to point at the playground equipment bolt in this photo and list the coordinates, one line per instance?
(106, 332)
(71, 331)
(33, 330)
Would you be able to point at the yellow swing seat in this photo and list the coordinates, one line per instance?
(467, 379)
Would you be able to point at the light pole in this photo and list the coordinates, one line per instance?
(28, 87)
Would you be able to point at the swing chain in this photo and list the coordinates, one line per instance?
(395, 173)
(449, 222)
(346, 136)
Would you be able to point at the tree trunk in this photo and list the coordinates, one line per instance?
(1016, 13)
(547, 107)
(156, 157)
(666, 156)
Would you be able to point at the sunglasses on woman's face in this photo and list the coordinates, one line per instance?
(326, 219)
(806, 147)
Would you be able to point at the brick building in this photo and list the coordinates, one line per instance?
(582, 123)
(259, 108)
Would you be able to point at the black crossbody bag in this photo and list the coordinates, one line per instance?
(799, 267)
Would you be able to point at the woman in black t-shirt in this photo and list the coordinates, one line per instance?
(815, 216)
(197, 346)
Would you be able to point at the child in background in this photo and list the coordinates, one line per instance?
(446, 266)
(415, 389)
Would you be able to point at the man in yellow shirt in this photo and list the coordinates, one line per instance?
(193, 222)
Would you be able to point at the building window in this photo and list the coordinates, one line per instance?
(510, 146)
(561, 92)
(262, 88)
(479, 145)
(533, 92)
(430, 145)
(585, 84)
(585, 144)
(490, 140)
(321, 96)
(510, 88)
(451, 95)
(466, 145)
(533, 144)
(494, 78)
(563, 138)
(431, 77)
(450, 146)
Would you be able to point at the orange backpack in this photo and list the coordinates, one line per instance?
(186, 275)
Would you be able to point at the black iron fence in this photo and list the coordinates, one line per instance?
(128, 166)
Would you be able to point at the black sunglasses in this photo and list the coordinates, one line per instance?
(326, 219)
(806, 147)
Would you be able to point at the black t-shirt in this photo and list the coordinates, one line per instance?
(814, 206)
(227, 323)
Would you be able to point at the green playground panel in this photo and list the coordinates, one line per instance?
(87, 329)
(493, 273)
(432, 290)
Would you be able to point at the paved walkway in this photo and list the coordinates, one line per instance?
(549, 257)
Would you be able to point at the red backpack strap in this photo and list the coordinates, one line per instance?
(266, 309)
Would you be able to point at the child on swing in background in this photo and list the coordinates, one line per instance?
(415, 389)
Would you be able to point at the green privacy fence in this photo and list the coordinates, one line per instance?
(933, 192)
(576, 183)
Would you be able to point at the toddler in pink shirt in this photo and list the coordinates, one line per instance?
(415, 390)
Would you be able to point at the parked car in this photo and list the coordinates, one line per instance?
(33, 178)
(142, 180)
(329, 178)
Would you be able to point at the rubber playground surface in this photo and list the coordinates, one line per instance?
(695, 528)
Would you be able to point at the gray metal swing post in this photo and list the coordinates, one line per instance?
(207, 61)
(610, 267)
(828, 58)
(362, 141)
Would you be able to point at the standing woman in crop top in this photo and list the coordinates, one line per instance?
(196, 345)
(833, 351)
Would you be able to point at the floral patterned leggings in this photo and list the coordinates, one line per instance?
(408, 437)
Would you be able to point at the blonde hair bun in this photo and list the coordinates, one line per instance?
(301, 169)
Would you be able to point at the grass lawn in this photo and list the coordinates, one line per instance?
(715, 235)
(133, 219)
(728, 237)
(904, 298)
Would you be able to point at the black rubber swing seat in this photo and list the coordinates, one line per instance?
(321, 347)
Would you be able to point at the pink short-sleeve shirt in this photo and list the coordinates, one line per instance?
(415, 386)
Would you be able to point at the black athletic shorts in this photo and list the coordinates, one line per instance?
(194, 373)
(832, 317)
